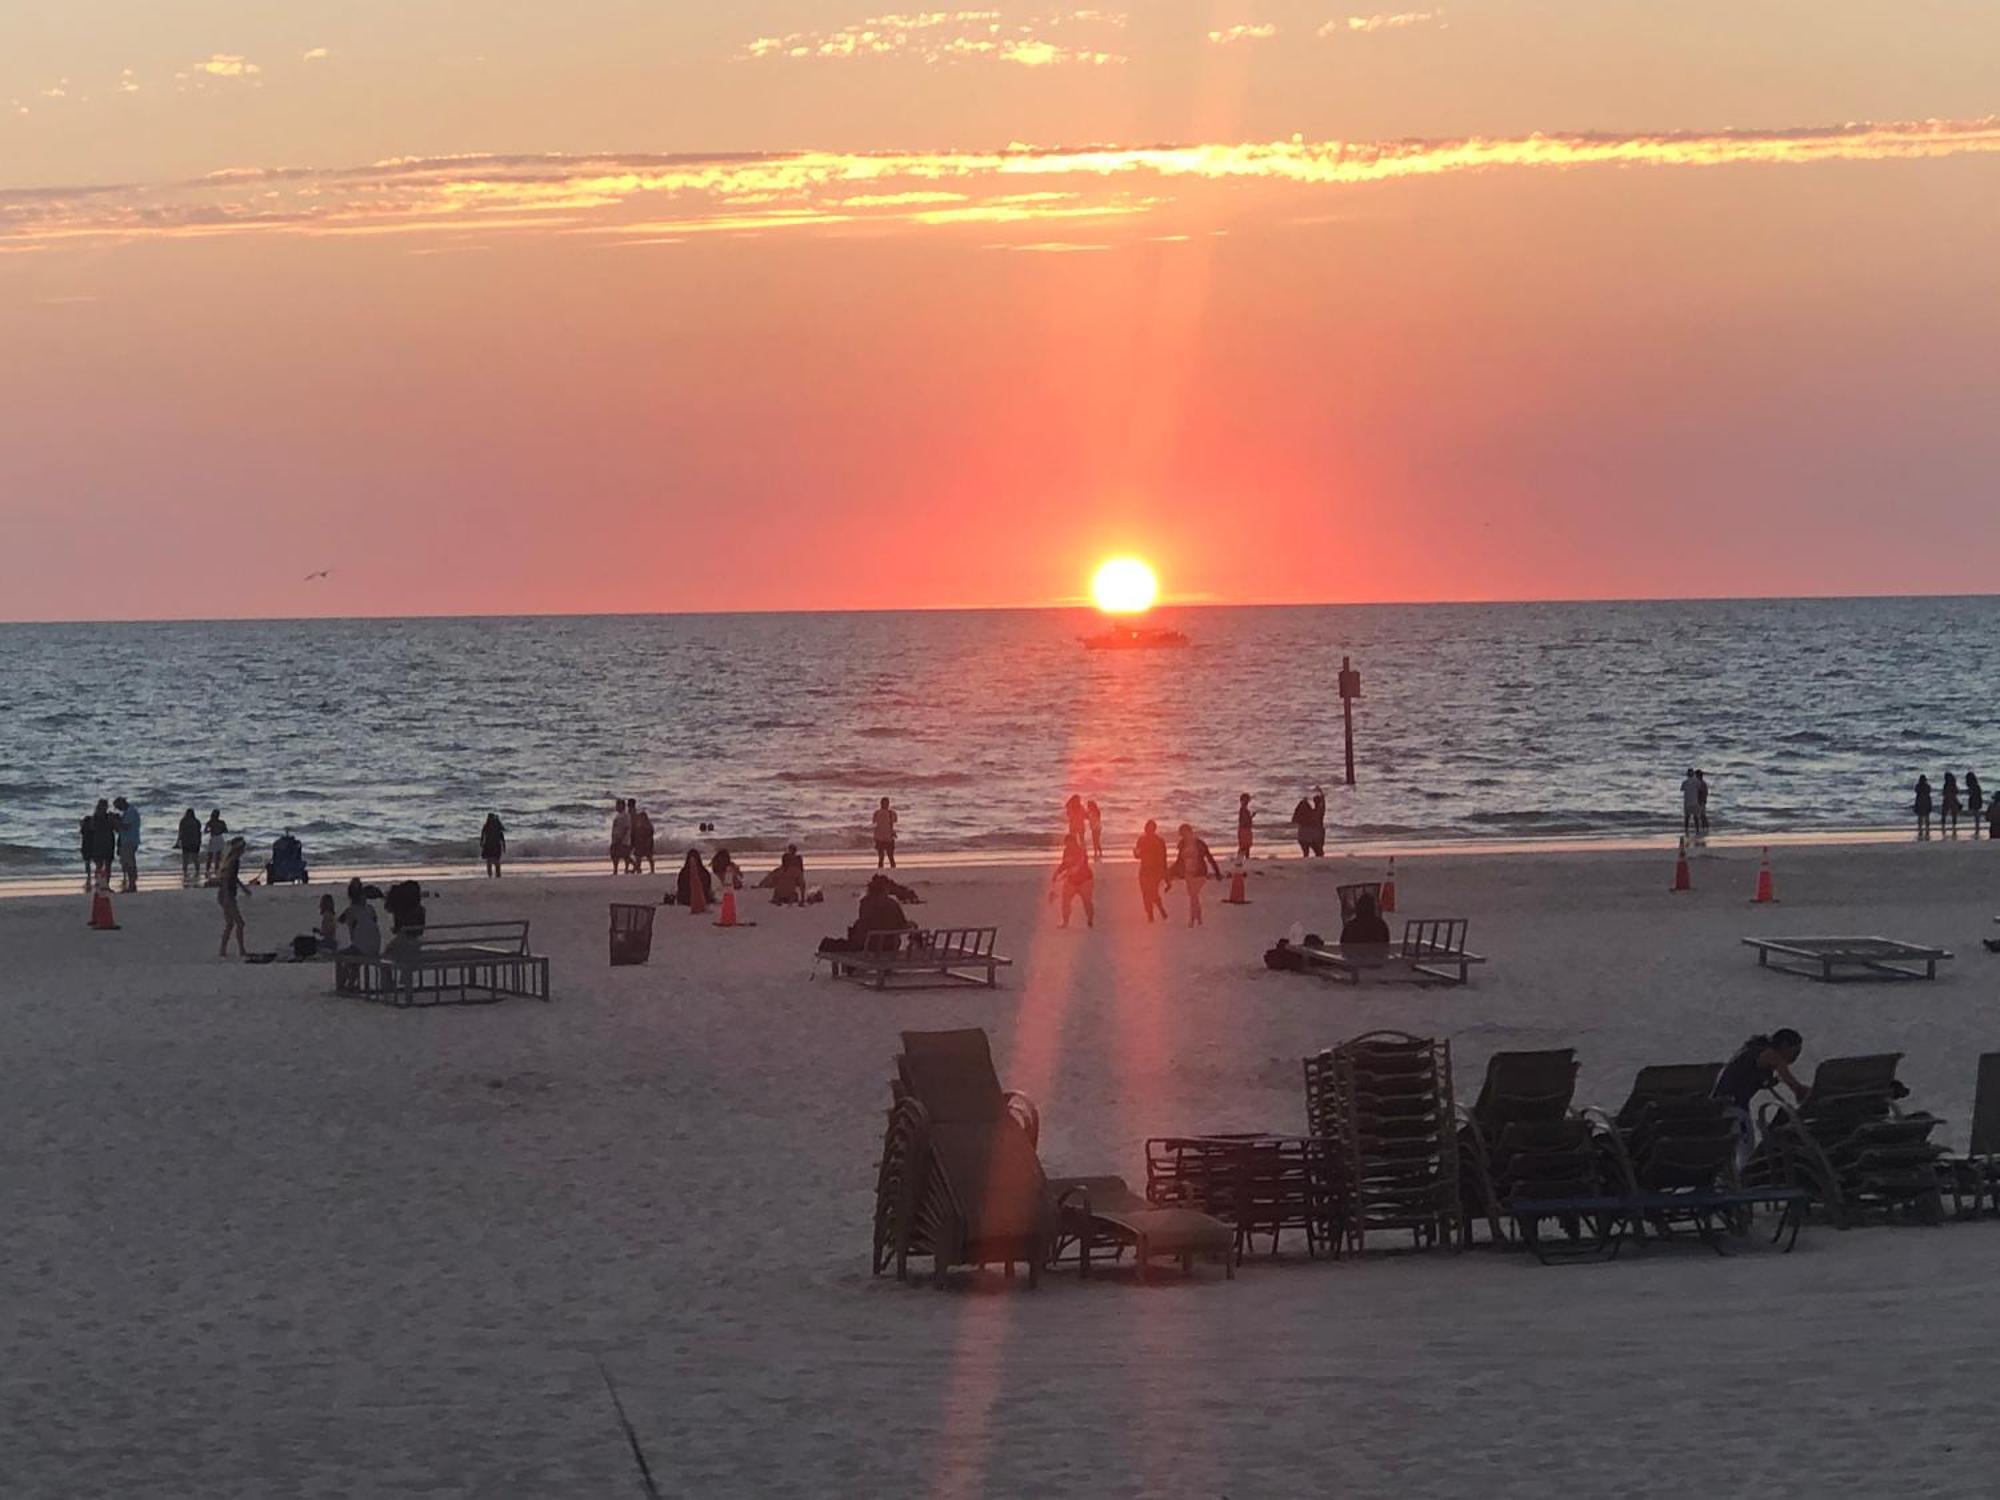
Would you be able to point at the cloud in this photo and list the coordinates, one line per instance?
(1053, 39)
(651, 195)
(128, 82)
(1230, 36)
(316, 54)
(1390, 21)
(222, 65)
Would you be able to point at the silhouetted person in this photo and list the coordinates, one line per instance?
(693, 887)
(87, 846)
(493, 844)
(885, 835)
(103, 842)
(1076, 881)
(187, 839)
(642, 838)
(1366, 925)
(728, 874)
(1246, 826)
(216, 832)
(229, 886)
(1309, 818)
(1151, 852)
(621, 838)
(1194, 863)
(1975, 801)
(1690, 805)
(1701, 803)
(1923, 807)
(788, 882)
(1948, 807)
(880, 912)
(1094, 815)
(1761, 1063)
(364, 931)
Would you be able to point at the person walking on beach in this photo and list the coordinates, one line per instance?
(1690, 804)
(1194, 863)
(1246, 825)
(187, 839)
(1761, 1063)
(1975, 800)
(492, 844)
(1923, 807)
(642, 839)
(621, 838)
(1151, 852)
(1095, 816)
(128, 845)
(1701, 804)
(1948, 807)
(885, 835)
(1076, 880)
(229, 885)
(217, 832)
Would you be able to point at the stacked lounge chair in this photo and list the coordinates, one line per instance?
(1520, 1139)
(1851, 1147)
(1385, 1102)
(1976, 1174)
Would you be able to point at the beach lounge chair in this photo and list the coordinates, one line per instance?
(1385, 1100)
(1258, 1184)
(1096, 1213)
(1520, 1088)
(921, 958)
(1432, 951)
(451, 963)
(1851, 1147)
(1976, 1174)
(959, 1179)
(1834, 959)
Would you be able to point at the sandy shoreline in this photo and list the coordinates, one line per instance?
(271, 1242)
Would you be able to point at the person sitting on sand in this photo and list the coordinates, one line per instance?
(229, 885)
(694, 888)
(728, 874)
(1075, 880)
(1151, 852)
(788, 881)
(1761, 1063)
(364, 932)
(1366, 925)
(493, 844)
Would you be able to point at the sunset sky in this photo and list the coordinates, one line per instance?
(633, 305)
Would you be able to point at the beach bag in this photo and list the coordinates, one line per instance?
(304, 947)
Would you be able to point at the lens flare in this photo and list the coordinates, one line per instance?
(1125, 586)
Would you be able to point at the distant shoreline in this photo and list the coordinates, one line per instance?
(853, 861)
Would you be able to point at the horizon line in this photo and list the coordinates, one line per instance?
(1067, 606)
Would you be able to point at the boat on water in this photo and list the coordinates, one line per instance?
(1134, 638)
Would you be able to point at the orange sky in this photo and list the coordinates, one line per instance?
(764, 311)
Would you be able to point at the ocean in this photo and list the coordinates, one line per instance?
(386, 742)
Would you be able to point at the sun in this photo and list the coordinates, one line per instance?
(1125, 586)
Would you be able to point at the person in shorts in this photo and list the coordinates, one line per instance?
(621, 838)
(885, 835)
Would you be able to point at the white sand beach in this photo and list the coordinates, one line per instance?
(261, 1241)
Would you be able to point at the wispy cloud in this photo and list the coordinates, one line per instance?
(225, 65)
(1051, 39)
(316, 54)
(672, 196)
(1229, 36)
(1387, 21)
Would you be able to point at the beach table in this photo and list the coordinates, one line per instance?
(1835, 959)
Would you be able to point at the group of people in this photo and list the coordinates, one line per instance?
(631, 838)
(1951, 801)
(111, 834)
(1694, 806)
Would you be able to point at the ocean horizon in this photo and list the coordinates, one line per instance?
(386, 741)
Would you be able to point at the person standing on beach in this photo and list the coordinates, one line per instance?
(1948, 808)
(103, 843)
(1690, 804)
(217, 832)
(1246, 825)
(885, 835)
(642, 838)
(1975, 800)
(1076, 880)
(87, 846)
(128, 846)
(1195, 863)
(1151, 852)
(492, 844)
(1923, 807)
(1701, 804)
(229, 885)
(187, 839)
(1309, 819)
(621, 838)
(1095, 816)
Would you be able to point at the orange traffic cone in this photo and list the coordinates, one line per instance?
(728, 915)
(1386, 903)
(1683, 881)
(1766, 892)
(100, 910)
(1237, 895)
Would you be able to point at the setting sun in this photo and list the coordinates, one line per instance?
(1124, 586)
